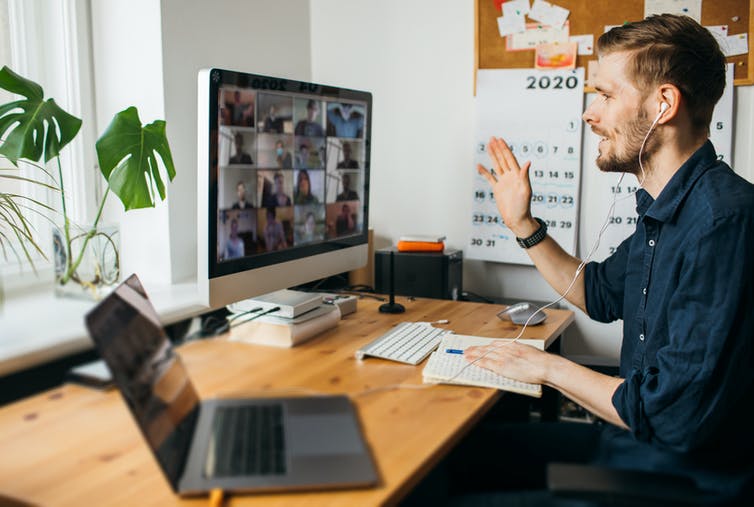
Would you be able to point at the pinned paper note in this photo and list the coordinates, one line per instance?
(690, 8)
(585, 42)
(737, 44)
(548, 14)
(509, 25)
(516, 8)
(720, 33)
(555, 55)
(535, 35)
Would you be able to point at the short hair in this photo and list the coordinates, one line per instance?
(672, 49)
(311, 104)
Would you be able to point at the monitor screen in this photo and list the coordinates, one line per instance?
(283, 182)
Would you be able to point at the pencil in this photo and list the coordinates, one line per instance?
(216, 497)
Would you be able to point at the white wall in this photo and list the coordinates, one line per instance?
(155, 68)
(417, 59)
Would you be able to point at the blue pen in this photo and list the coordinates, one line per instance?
(454, 351)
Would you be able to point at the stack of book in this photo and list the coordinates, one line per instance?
(300, 317)
(421, 243)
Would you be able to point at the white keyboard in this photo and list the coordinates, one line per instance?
(408, 342)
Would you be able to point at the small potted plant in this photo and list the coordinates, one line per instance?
(34, 130)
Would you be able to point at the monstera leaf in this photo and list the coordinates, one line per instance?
(32, 127)
(126, 153)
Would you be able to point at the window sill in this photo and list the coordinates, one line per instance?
(37, 327)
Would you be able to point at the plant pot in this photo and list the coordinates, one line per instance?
(88, 267)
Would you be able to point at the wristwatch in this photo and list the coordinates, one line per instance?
(535, 238)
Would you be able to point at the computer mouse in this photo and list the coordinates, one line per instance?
(519, 313)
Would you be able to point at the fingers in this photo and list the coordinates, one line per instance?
(482, 351)
(491, 179)
(501, 154)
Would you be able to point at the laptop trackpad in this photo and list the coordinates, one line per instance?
(311, 435)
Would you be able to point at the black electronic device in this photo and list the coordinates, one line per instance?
(283, 183)
(392, 306)
(437, 275)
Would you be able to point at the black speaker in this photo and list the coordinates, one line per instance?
(437, 275)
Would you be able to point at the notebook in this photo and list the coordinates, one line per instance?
(239, 445)
(452, 368)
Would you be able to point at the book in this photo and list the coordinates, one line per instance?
(422, 238)
(279, 331)
(452, 368)
(292, 303)
(420, 246)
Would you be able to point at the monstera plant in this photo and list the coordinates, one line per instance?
(34, 130)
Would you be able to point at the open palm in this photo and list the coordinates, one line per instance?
(510, 184)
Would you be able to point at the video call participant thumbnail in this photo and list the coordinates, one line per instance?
(275, 188)
(241, 155)
(238, 108)
(276, 228)
(348, 194)
(242, 202)
(310, 126)
(345, 120)
(310, 187)
(278, 114)
(309, 224)
(342, 218)
(348, 162)
(237, 234)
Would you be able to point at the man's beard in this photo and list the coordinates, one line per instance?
(634, 134)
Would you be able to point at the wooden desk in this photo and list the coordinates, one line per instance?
(79, 446)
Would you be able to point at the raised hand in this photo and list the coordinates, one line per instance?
(511, 187)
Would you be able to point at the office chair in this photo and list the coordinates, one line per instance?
(629, 488)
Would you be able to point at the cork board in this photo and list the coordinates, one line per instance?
(590, 17)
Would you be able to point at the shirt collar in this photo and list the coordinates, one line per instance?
(665, 206)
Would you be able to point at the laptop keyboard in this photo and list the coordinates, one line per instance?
(247, 440)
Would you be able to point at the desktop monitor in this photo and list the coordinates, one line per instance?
(283, 189)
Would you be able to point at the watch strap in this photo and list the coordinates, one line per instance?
(536, 237)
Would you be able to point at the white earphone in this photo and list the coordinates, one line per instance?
(663, 107)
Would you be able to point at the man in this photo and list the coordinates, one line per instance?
(310, 126)
(273, 124)
(345, 223)
(348, 194)
(241, 156)
(682, 283)
(241, 203)
(347, 162)
(234, 246)
(345, 121)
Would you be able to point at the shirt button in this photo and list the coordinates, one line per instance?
(651, 242)
(644, 291)
(641, 337)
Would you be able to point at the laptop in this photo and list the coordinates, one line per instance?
(238, 445)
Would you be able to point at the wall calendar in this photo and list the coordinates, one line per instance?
(539, 116)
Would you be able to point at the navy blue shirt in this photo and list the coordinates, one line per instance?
(683, 283)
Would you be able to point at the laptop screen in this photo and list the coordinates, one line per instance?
(151, 378)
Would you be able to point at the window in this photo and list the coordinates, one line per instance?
(48, 42)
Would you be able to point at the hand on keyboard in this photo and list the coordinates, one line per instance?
(408, 342)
